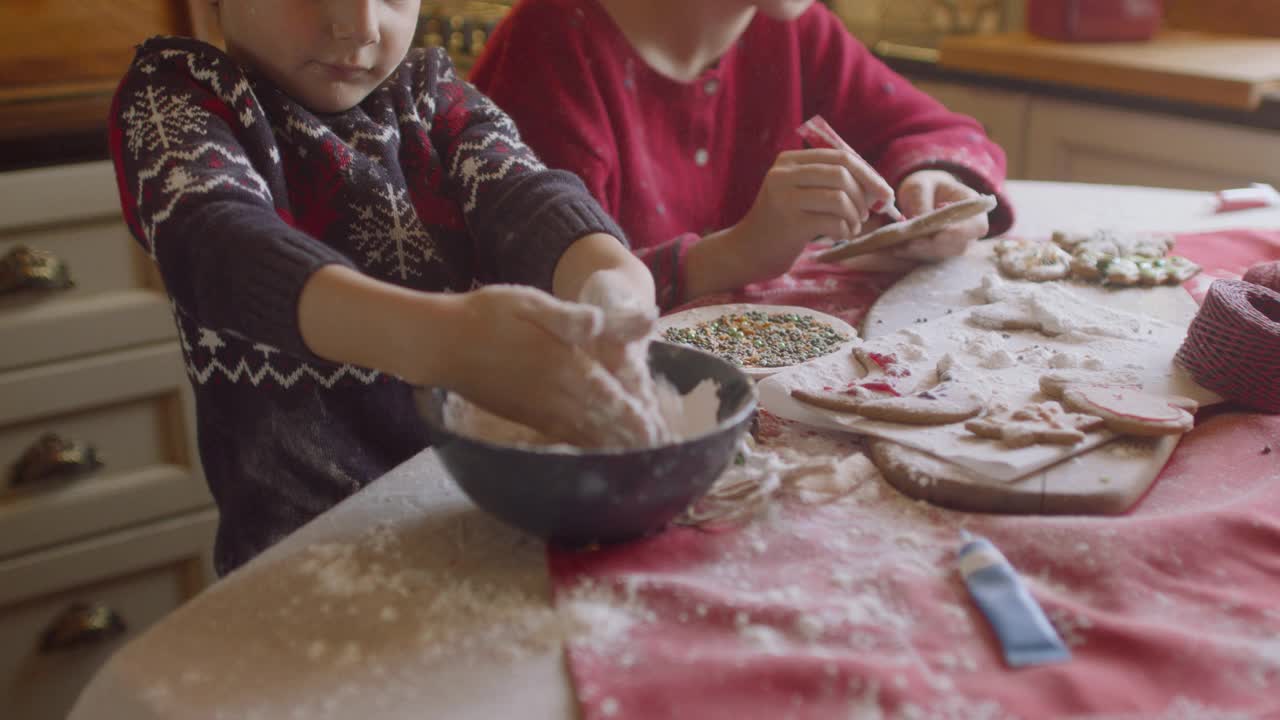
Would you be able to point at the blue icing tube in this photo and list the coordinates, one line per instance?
(1026, 636)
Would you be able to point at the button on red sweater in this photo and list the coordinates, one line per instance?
(668, 158)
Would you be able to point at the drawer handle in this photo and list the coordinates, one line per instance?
(23, 269)
(81, 624)
(53, 456)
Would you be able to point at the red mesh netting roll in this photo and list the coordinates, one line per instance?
(1233, 344)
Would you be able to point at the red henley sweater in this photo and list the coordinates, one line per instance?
(668, 159)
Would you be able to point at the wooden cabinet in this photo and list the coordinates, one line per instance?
(1047, 138)
(60, 61)
(102, 501)
(1089, 143)
(64, 610)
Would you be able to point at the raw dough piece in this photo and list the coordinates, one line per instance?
(1054, 383)
(1131, 412)
(906, 230)
(1044, 422)
(942, 404)
(1032, 260)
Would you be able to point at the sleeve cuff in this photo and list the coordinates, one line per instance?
(667, 264)
(540, 216)
(269, 293)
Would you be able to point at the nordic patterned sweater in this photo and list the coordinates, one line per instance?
(239, 193)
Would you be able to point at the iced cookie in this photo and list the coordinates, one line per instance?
(1054, 383)
(1033, 424)
(1131, 412)
(1032, 260)
(1125, 259)
(907, 230)
(1115, 244)
(940, 405)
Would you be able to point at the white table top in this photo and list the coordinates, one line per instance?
(441, 611)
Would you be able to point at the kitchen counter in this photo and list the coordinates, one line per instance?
(1161, 76)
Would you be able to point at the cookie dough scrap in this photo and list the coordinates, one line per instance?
(1032, 424)
(1032, 260)
(1128, 411)
(941, 404)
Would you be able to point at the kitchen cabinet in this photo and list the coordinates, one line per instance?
(1089, 143)
(60, 61)
(1050, 138)
(105, 519)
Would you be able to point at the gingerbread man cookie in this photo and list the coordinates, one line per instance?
(1032, 424)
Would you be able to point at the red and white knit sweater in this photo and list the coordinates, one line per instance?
(239, 193)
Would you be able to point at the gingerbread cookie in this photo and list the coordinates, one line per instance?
(1115, 244)
(1054, 383)
(906, 230)
(1125, 259)
(1032, 260)
(1131, 412)
(942, 404)
(1036, 423)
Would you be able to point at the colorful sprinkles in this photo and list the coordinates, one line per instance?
(759, 339)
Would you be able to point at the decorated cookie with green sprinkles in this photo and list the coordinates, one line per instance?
(761, 339)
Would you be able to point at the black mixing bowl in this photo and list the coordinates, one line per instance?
(601, 496)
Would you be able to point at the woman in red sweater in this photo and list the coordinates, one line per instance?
(681, 117)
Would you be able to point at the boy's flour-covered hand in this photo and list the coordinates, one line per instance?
(623, 346)
(524, 355)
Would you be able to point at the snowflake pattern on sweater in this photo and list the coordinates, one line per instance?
(239, 193)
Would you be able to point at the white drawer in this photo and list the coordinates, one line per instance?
(133, 408)
(137, 576)
(116, 300)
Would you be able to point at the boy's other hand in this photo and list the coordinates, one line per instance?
(927, 190)
(518, 353)
(628, 320)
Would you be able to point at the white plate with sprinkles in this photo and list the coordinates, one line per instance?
(760, 339)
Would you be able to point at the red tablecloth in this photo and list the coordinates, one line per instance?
(854, 608)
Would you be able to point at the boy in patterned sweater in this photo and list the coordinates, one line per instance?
(331, 215)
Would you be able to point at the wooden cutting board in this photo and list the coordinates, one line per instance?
(1106, 480)
(1228, 71)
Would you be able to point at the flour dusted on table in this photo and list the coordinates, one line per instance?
(450, 614)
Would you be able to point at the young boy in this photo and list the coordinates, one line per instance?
(328, 211)
(681, 117)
